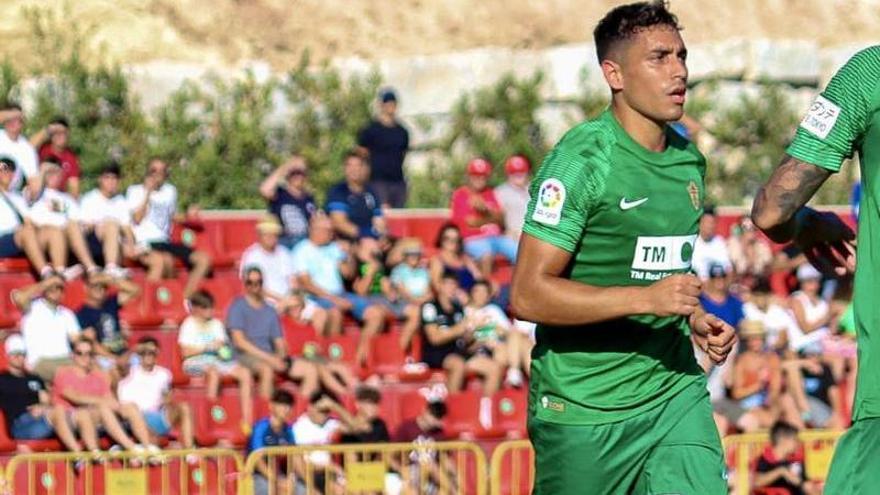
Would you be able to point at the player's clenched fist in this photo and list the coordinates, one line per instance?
(674, 295)
(713, 335)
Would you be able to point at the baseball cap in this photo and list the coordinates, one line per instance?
(808, 272)
(717, 270)
(387, 95)
(516, 165)
(15, 345)
(479, 167)
(269, 225)
(752, 328)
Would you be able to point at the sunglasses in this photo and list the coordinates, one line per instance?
(294, 173)
(253, 283)
(148, 352)
(54, 287)
(83, 353)
(450, 238)
(16, 354)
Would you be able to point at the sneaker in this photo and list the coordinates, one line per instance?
(154, 454)
(72, 272)
(514, 377)
(116, 272)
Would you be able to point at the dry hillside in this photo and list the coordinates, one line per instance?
(227, 31)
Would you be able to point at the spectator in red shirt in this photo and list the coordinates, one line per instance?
(781, 465)
(85, 385)
(476, 211)
(52, 141)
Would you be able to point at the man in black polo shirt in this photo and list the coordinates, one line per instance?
(25, 405)
(386, 141)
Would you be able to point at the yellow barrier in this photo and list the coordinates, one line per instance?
(742, 452)
(405, 468)
(512, 468)
(173, 472)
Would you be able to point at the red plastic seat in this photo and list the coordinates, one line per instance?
(166, 300)
(218, 420)
(386, 358)
(15, 265)
(74, 294)
(224, 287)
(8, 444)
(10, 315)
(301, 338)
(463, 416)
(411, 404)
(342, 348)
(510, 414)
(169, 352)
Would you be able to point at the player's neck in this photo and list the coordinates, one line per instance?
(648, 133)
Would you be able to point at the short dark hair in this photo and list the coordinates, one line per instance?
(51, 159)
(625, 21)
(437, 409)
(283, 397)
(447, 226)
(148, 340)
(202, 299)
(365, 393)
(353, 153)
(60, 121)
(251, 269)
(8, 163)
(320, 394)
(111, 168)
(780, 430)
(709, 209)
(484, 283)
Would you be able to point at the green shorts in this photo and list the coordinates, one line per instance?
(855, 468)
(671, 449)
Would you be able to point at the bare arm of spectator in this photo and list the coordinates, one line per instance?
(767, 478)
(22, 297)
(774, 388)
(82, 399)
(348, 266)
(740, 390)
(241, 342)
(138, 214)
(836, 406)
(435, 269)
(270, 184)
(437, 336)
(800, 316)
(343, 225)
(350, 423)
(312, 288)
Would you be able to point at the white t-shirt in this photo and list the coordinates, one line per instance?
(514, 201)
(96, 208)
(306, 432)
(25, 156)
(200, 334)
(813, 312)
(157, 222)
(9, 220)
(47, 331)
(707, 253)
(54, 209)
(277, 267)
(145, 389)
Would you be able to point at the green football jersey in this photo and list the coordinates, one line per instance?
(843, 120)
(629, 216)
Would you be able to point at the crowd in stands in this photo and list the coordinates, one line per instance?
(335, 268)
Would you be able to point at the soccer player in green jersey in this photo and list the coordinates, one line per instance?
(617, 401)
(844, 119)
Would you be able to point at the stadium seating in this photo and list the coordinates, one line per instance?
(462, 419)
(387, 359)
(218, 420)
(169, 352)
(301, 338)
(7, 444)
(510, 412)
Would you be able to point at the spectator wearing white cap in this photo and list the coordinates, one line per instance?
(513, 194)
(279, 275)
(29, 415)
(47, 327)
(811, 313)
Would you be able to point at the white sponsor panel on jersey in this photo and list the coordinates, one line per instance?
(821, 117)
(664, 253)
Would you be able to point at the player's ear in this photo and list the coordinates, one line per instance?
(613, 74)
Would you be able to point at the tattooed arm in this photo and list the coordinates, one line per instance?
(778, 208)
(779, 211)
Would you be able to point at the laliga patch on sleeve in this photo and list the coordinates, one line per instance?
(821, 117)
(548, 206)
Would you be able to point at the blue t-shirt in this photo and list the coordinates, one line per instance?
(321, 263)
(294, 213)
(264, 436)
(260, 325)
(360, 207)
(105, 321)
(731, 310)
(387, 146)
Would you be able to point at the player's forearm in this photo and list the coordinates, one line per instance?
(778, 208)
(558, 301)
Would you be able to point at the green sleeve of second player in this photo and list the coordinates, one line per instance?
(839, 116)
(563, 192)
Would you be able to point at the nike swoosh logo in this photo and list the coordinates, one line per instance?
(628, 205)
